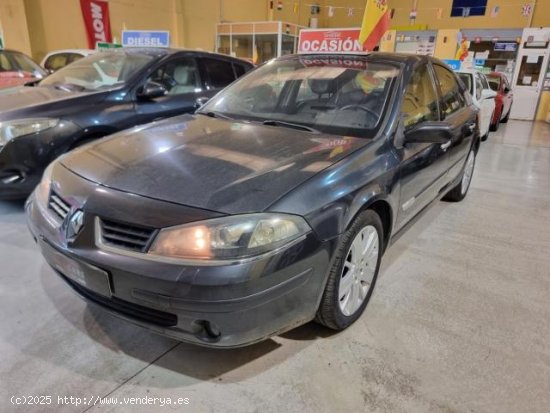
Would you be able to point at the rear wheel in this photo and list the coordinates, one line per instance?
(458, 193)
(353, 273)
(505, 120)
(484, 137)
(494, 126)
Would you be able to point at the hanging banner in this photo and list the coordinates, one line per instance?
(329, 41)
(96, 20)
(376, 21)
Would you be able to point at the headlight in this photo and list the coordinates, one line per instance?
(42, 191)
(14, 128)
(229, 238)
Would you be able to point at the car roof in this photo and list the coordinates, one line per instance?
(162, 51)
(79, 51)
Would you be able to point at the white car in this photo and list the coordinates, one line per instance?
(483, 97)
(60, 58)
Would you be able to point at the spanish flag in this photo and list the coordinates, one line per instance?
(376, 21)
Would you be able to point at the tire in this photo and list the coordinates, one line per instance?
(337, 313)
(494, 126)
(507, 117)
(459, 192)
(484, 137)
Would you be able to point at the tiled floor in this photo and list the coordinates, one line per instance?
(459, 322)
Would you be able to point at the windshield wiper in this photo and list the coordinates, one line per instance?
(272, 122)
(214, 115)
(69, 87)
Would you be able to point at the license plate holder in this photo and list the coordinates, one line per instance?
(77, 271)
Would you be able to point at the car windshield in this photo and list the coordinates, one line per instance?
(98, 71)
(15, 62)
(467, 79)
(494, 82)
(341, 96)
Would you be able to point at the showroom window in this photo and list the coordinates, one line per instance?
(220, 73)
(420, 100)
(178, 77)
(451, 95)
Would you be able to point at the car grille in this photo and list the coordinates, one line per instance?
(58, 205)
(129, 237)
(135, 311)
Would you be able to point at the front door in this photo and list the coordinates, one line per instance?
(423, 171)
(528, 82)
(182, 82)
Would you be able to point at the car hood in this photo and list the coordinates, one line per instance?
(214, 164)
(28, 101)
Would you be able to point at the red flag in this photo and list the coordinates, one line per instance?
(96, 20)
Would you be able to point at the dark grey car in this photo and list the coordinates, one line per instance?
(270, 207)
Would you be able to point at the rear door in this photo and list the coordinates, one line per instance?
(508, 96)
(423, 171)
(181, 79)
(456, 110)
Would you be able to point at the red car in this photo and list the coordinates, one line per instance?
(499, 83)
(17, 69)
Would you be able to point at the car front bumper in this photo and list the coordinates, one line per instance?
(217, 306)
(23, 159)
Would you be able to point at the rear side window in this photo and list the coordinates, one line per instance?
(420, 99)
(57, 61)
(219, 72)
(451, 94)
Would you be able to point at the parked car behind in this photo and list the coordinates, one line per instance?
(270, 207)
(504, 100)
(17, 68)
(99, 95)
(483, 97)
(58, 59)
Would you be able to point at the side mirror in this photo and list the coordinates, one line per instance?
(201, 101)
(430, 132)
(488, 94)
(150, 91)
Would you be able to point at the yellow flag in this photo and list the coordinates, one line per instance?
(376, 21)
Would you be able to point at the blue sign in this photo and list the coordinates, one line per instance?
(506, 46)
(479, 62)
(453, 64)
(141, 38)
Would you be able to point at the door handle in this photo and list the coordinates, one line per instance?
(445, 146)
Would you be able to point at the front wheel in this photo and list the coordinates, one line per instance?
(353, 274)
(458, 193)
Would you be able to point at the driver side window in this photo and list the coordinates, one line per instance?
(178, 76)
(420, 99)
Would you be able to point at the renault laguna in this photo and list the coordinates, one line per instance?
(270, 207)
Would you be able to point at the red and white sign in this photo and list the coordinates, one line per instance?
(329, 41)
(96, 20)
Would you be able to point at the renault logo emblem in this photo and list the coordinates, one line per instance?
(75, 224)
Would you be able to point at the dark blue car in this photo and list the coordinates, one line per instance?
(270, 207)
(96, 96)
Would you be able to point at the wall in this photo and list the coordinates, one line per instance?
(14, 25)
(49, 29)
(509, 15)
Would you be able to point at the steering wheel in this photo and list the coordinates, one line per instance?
(363, 108)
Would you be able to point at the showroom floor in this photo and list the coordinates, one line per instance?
(459, 321)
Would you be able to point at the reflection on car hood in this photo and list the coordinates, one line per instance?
(28, 101)
(209, 163)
